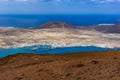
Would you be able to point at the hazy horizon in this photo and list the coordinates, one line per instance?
(59, 6)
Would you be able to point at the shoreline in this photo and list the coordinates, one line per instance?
(57, 37)
(66, 54)
(53, 51)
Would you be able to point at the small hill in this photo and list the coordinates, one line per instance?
(102, 28)
(56, 25)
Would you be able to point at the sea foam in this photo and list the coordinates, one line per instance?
(105, 24)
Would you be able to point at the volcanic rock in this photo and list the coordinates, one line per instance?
(56, 25)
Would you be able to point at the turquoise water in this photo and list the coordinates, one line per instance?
(49, 50)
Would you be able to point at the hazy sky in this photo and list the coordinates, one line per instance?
(59, 6)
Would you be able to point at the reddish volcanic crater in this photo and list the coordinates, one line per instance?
(102, 28)
(56, 25)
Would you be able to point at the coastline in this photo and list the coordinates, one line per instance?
(57, 37)
(99, 65)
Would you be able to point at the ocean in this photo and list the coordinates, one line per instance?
(33, 21)
(48, 50)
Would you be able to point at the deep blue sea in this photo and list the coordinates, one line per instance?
(33, 21)
(28, 21)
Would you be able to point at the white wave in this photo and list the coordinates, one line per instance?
(6, 27)
(105, 24)
(58, 45)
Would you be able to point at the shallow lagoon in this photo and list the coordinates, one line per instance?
(49, 50)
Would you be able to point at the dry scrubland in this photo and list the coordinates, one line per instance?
(77, 66)
(57, 37)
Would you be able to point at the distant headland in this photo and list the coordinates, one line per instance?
(58, 34)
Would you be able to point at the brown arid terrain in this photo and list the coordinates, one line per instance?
(104, 28)
(62, 36)
(74, 66)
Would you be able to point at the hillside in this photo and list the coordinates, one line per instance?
(104, 28)
(101, 28)
(56, 25)
(77, 66)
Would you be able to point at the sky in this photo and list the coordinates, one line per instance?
(59, 6)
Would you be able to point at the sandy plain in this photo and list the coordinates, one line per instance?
(57, 37)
